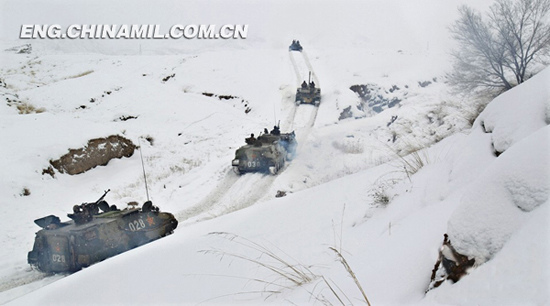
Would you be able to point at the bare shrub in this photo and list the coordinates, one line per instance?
(27, 108)
(380, 195)
(413, 162)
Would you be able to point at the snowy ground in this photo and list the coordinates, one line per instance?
(495, 209)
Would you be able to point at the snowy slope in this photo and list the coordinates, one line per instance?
(391, 249)
(331, 185)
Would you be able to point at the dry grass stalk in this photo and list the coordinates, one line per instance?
(351, 273)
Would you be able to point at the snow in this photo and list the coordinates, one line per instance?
(495, 209)
(516, 184)
(531, 113)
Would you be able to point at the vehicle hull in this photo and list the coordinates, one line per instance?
(72, 246)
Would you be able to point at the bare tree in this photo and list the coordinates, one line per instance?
(498, 52)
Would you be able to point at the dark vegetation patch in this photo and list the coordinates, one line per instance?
(245, 103)
(99, 97)
(424, 83)
(11, 99)
(150, 139)
(49, 171)
(23, 49)
(25, 192)
(98, 152)
(392, 120)
(125, 118)
(377, 98)
(346, 113)
(168, 77)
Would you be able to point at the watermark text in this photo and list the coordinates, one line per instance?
(133, 31)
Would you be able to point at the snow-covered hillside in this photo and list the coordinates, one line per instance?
(347, 189)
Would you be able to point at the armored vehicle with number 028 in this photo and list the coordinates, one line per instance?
(267, 153)
(97, 231)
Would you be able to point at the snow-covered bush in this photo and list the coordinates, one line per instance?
(517, 182)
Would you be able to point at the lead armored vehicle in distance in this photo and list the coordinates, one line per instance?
(97, 231)
(267, 153)
(295, 46)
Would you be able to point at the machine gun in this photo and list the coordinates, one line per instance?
(100, 203)
(102, 197)
(84, 212)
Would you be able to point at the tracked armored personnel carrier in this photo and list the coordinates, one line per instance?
(286, 140)
(97, 231)
(308, 93)
(267, 153)
(295, 46)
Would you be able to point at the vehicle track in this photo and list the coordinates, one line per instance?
(207, 203)
(24, 278)
(308, 64)
(305, 115)
(234, 192)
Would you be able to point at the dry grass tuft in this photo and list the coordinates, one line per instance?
(26, 108)
(344, 262)
(287, 269)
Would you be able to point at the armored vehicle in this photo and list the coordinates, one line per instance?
(295, 46)
(267, 153)
(307, 93)
(286, 140)
(97, 231)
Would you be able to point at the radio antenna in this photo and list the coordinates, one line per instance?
(143, 168)
(274, 113)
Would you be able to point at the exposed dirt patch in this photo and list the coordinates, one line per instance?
(98, 152)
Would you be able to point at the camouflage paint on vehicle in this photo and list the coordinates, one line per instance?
(95, 236)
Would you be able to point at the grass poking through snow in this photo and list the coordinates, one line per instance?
(289, 273)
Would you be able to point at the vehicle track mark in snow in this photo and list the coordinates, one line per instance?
(287, 102)
(296, 69)
(304, 120)
(32, 279)
(234, 192)
(21, 279)
(302, 68)
(246, 192)
(211, 199)
(308, 64)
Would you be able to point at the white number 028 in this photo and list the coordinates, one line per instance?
(136, 225)
(58, 258)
